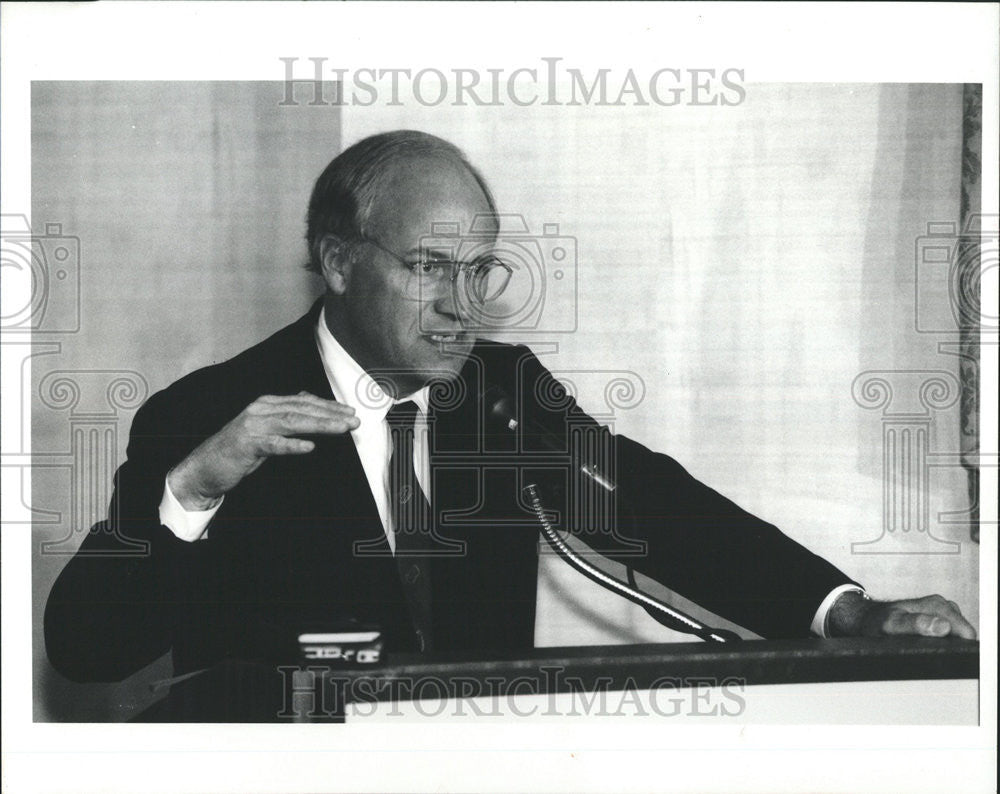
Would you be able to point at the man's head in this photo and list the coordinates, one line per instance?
(370, 211)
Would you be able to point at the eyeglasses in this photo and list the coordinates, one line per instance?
(486, 276)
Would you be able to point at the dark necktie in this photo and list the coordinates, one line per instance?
(411, 520)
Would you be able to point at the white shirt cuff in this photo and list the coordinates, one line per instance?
(189, 525)
(818, 626)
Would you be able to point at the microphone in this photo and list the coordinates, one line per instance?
(502, 412)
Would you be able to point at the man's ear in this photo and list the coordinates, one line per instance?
(335, 260)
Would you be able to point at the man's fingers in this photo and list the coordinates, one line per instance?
(932, 619)
(304, 396)
(331, 411)
(293, 423)
(304, 401)
(959, 625)
(939, 606)
(962, 628)
(301, 403)
(279, 445)
(277, 398)
(899, 621)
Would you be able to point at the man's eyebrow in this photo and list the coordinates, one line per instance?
(437, 253)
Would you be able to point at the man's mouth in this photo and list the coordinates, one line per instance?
(439, 338)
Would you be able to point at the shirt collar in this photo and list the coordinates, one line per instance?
(351, 384)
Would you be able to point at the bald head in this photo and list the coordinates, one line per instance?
(398, 214)
(370, 175)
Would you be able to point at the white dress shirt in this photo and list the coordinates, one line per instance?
(353, 386)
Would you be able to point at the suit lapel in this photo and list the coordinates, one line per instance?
(335, 460)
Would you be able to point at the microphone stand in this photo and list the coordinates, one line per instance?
(665, 614)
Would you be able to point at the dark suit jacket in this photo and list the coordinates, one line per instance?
(280, 557)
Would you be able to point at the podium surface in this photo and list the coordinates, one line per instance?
(904, 680)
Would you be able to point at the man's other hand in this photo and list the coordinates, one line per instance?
(266, 427)
(852, 615)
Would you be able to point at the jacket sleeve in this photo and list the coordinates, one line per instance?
(111, 609)
(696, 541)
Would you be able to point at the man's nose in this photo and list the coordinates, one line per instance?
(449, 305)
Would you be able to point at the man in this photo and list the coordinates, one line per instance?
(275, 492)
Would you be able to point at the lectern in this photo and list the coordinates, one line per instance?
(890, 680)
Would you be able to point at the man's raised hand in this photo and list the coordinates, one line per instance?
(266, 427)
